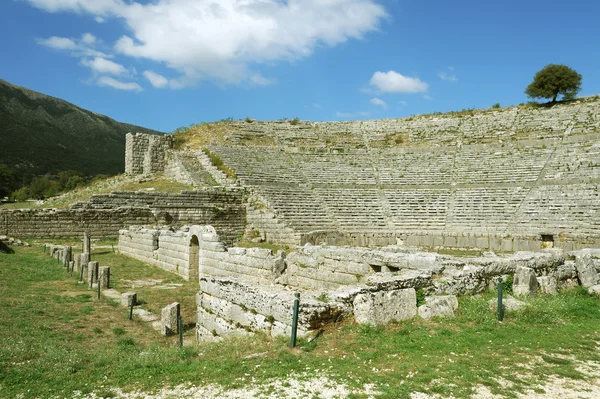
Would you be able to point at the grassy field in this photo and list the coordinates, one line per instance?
(57, 338)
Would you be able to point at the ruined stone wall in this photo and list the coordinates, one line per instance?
(106, 214)
(71, 222)
(145, 153)
(171, 250)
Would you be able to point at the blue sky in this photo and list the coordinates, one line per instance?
(169, 63)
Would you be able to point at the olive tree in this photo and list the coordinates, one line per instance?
(554, 80)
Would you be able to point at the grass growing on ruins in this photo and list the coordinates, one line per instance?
(57, 338)
(116, 183)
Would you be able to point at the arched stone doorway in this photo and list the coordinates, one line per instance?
(194, 265)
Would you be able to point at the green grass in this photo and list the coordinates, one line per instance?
(51, 344)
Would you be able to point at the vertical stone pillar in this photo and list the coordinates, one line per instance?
(84, 261)
(168, 322)
(87, 246)
(71, 266)
(67, 256)
(77, 263)
(128, 298)
(104, 277)
(92, 272)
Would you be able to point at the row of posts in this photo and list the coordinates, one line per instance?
(93, 273)
(89, 271)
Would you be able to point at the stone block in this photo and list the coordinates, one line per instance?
(524, 281)
(586, 271)
(92, 272)
(438, 306)
(128, 298)
(594, 290)
(77, 260)
(71, 266)
(104, 277)
(168, 321)
(87, 247)
(548, 285)
(508, 303)
(382, 307)
(67, 255)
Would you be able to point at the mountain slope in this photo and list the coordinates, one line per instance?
(41, 134)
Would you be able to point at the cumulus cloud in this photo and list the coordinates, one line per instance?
(103, 66)
(117, 84)
(156, 79)
(226, 40)
(379, 102)
(393, 82)
(59, 43)
(88, 38)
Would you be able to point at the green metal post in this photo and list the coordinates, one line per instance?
(98, 283)
(180, 328)
(500, 307)
(295, 321)
(131, 309)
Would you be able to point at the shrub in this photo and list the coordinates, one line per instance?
(496, 106)
(295, 121)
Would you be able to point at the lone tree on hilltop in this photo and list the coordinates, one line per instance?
(554, 80)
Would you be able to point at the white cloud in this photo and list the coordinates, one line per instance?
(88, 38)
(317, 105)
(403, 102)
(352, 114)
(427, 97)
(447, 77)
(59, 43)
(379, 102)
(225, 40)
(156, 79)
(103, 66)
(117, 84)
(259, 80)
(100, 20)
(393, 82)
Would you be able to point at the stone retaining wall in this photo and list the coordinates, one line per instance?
(106, 214)
(145, 153)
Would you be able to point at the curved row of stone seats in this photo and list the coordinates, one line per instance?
(485, 209)
(587, 119)
(466, 127)
(423, 209)
(260, 165)
(415, 167)
(570, 209)
(350, 208)
(337, 168)
(300, 207)
(575, 160)
(500, 164)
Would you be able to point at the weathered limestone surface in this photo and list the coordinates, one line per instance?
(127, 298)
(229, 306)
(92, 272)
(104, 277)
(106, 214)
(438, 306)
(586, 269)
(509, 303)
(383, 307)
(169, 319)
(525, 282)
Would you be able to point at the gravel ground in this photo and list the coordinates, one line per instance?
(303, 386)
